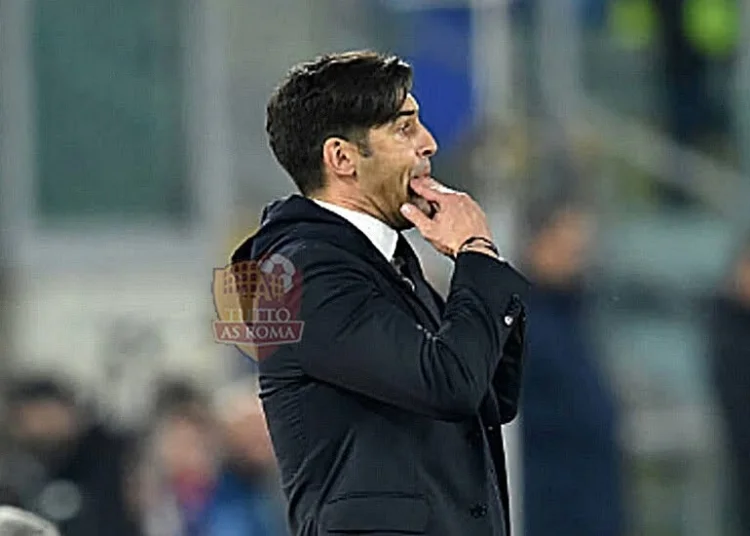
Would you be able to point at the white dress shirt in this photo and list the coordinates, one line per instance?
(383, 237)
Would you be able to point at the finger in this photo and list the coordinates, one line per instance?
(430, 189)
(417, 217)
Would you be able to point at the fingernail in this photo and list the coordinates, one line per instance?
(405, 208)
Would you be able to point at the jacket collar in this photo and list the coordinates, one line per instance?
(383, 237)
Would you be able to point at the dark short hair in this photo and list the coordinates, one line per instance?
(174, 396)
(341, 95)
(34, 389)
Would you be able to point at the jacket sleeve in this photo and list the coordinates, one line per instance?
(506, 382)
(356, 338)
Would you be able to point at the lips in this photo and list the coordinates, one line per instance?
(422, 171)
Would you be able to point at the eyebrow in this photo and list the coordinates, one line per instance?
(404, 113)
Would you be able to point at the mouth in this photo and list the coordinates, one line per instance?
(422, 171)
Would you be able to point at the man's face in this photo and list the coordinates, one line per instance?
(185, 450)
(560, 253)
(398, 151)
(45, 428)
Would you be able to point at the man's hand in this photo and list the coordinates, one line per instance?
(458, 217)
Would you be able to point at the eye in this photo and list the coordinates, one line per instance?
(406, 127)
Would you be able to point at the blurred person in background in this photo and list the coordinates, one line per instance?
(697, 43)
(209, 473)
(571, 455)
(696, 37)
(62, 466)
(178, 474)
(730, 361)
(247, 499)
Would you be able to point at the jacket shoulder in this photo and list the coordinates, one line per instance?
(242, 251)
(301, 251)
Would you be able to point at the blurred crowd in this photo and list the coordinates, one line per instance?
(202, 466)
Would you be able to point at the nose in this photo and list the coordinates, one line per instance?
(428, 146)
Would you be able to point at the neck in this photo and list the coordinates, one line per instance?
(352, 202)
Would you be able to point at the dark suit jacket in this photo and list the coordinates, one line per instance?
(385, 420)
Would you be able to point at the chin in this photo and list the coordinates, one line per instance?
(402, 224)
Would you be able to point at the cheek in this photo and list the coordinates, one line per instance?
(397, 172)
(395, 187)
(386, 177)
(387, 172)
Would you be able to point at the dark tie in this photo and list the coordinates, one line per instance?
(406, 263)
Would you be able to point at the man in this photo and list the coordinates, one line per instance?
(61, 463)
(246, 499)
(730, 370)
(571, 455)
(385, 417)
(177, 476)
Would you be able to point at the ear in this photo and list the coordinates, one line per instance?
(340, 157)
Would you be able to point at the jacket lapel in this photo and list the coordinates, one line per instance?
(357, 242)
(409, 299)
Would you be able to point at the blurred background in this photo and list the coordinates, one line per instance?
(608, 140)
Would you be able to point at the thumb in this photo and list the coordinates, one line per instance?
(416, 216)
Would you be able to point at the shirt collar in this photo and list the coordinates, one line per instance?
(382, 237)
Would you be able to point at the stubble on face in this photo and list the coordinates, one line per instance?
(386, 177)
(387, 188)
